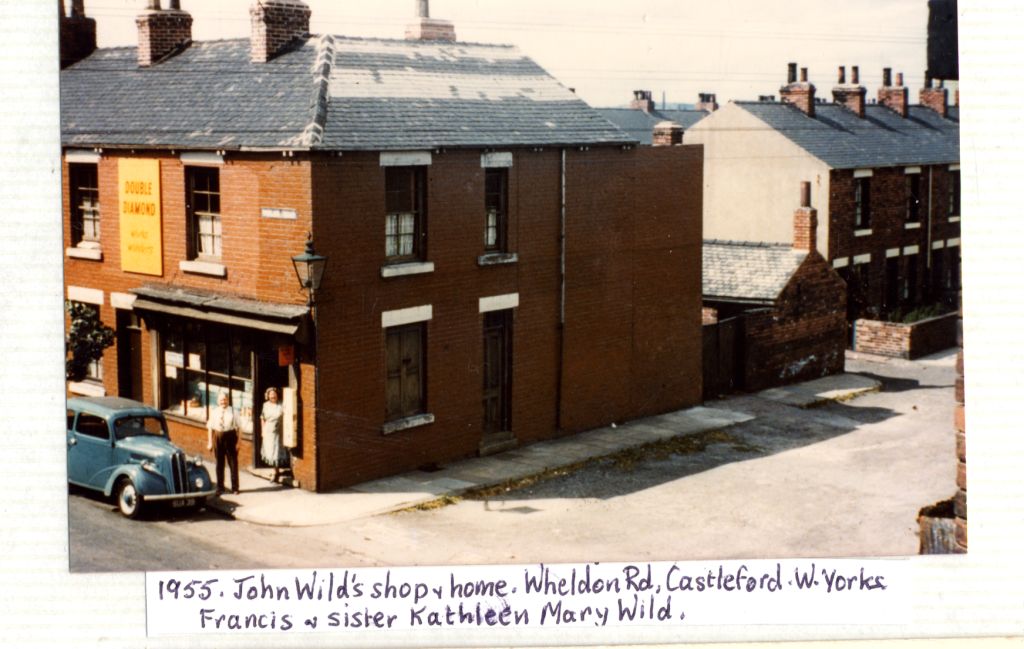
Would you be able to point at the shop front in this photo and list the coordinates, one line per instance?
(204, 344)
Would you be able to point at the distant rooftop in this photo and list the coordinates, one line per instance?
(639, 125)
(842, 140)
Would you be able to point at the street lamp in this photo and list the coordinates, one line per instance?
(309, 268)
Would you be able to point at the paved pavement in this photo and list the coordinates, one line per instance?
(265, 503)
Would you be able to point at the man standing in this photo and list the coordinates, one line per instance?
(222, 439)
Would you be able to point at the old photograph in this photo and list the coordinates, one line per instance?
(414, 283)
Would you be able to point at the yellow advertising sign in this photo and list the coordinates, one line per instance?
(139, 201)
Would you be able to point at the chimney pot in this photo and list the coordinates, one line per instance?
(886, 77)
(855, 72)
(803, 75)
(805, 222)
(899, 79)
(276, 24)
(792, 73)
(423, 8)
(667, 133)
(77, 34)
(842, 74)
(162, 33)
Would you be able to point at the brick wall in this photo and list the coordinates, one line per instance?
(804, 336)
(256, 252)
(960, 425)
(888, 225)
(905, 340)
(633, 286)
(626, 348)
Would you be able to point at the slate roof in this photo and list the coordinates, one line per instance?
(746, 271)
(640, 125)
(842, 140)
(331, 93)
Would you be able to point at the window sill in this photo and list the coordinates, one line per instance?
(95, 254)
(497, 258)
(912, 226)
(211, 268)
(182, 419)
(954, 219)
(862, 233)
(87, 389)
(406, 423)
(409, 268)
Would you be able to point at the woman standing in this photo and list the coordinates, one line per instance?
(271, 423)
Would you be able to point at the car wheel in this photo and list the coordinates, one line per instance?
(129, 502)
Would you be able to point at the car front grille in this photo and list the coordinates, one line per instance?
(179, 473)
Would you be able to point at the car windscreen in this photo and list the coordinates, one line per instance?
(139, 425)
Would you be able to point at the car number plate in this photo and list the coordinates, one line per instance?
(183, 502)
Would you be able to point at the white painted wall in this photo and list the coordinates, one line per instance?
(752, 177)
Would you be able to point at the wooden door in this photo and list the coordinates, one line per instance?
(497, 371)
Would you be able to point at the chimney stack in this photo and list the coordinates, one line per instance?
(799, 93)
(276, 25)
(805, 222)
(642, 101)
(895, 98)
(162, 32)
(707, 102)
(936, 99)
(852, 95)
(77, 34)
(429, 29)
(667, 133)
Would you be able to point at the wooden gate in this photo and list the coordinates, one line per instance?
(723, 352)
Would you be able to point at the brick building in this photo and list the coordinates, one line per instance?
(504, 265)
(790, 305)
(885, 178)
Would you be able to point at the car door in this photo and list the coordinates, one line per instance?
(90, 451)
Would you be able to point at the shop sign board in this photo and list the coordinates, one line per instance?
(139, 203)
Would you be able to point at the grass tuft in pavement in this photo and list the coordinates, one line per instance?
(624, 460)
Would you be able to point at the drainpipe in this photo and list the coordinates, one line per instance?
(929, 258)
(561, 293)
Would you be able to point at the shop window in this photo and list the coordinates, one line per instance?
(913, 198)
(405, 224)
(85, 204)
(862, 203)
(203, 209)
(496, 210)
(199, 362)
(405, 371)
(954, 193)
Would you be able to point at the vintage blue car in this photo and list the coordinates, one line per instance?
(121, 447)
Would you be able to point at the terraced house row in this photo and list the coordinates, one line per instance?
(503, 264)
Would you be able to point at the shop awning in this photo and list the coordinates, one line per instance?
(190, 303)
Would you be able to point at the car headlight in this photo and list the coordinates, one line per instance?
(199, 483)
(149, 466)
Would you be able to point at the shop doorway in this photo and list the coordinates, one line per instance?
(270, 373)
(129, 355)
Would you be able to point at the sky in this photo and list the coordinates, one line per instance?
(605, 49)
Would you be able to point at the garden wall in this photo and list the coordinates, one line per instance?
(901, 340)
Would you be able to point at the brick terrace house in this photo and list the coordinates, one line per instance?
(504, 265)
(885, 178)
(791, 301)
